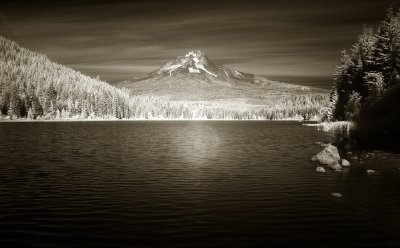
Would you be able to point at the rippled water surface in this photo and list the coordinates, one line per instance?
(187, 184)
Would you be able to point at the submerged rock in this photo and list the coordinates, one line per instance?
(345, 163)
(335, 166)
(320, 169)
(370, 171)
(336, 194)
(328, 155)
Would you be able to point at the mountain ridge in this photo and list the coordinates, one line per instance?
(196, 64)
(194, 76)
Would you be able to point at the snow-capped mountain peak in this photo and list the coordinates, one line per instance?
(197, 54)
(193, 62)
(195, 65)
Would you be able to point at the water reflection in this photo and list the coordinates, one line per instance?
(195, 144)
(186, 184)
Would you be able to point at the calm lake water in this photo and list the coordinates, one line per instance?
(187, 184)
(311, 81)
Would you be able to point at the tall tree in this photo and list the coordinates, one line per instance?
(387, 52)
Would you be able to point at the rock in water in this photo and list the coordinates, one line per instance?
(335, 166)
(320, 169)
(370, 171)
(328, 156)
(335, 194)
(345, 163)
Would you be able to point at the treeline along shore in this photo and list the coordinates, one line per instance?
(367, 86)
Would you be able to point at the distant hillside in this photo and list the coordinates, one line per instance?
(195, 77)
(33, 87)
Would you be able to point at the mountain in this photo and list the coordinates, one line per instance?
(34, 87)
(196, 65)
(195, 77)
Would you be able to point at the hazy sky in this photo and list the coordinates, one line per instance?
(118, 40)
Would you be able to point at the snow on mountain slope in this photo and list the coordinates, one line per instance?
(195, 64)
(192, 62)
(195, 76)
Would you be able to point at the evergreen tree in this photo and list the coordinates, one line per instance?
(343, 84)
(353, 106)
(367, 85)
(387, 52)
(372, 59)
(376, 86)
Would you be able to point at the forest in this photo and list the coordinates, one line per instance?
(33, 87)
(367, 85)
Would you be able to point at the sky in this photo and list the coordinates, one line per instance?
(117, 40)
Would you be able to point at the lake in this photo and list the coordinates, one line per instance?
(323, 82)
(187, 184)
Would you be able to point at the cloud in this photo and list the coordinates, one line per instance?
(4, 28)
(120, 39)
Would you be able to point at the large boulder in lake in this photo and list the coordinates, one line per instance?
(328, 156)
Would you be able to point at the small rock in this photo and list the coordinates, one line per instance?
(349, 153)
(345, 163)
(354, 158)
(370, 171)
(335, 166)
(338, 170)
(328, 155)
(320, 169)
(335, 194)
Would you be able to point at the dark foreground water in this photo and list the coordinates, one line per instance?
(187, 184)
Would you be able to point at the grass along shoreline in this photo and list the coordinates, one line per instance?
(333, 126)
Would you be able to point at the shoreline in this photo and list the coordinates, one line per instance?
(143, 120)
(333, 126)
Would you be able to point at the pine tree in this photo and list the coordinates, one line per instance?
(387, 52)
(376, 86)
(14, 107)
(30, 114)
(4, 101)
(329, 114)
(353, 106)
(362, 57)
(343, 84)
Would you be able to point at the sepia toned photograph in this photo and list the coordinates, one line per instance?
(199, 124)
